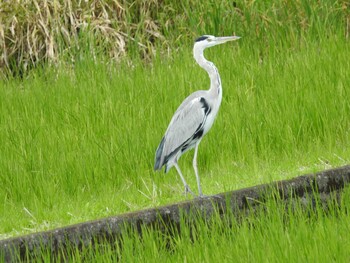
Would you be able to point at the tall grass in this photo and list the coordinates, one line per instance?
(276, 232)
(77, 140)
(33, 33)
(78, 143)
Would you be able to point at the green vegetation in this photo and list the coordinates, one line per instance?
(78, 132)
(274, 235)
(276, 232)
(80, 144)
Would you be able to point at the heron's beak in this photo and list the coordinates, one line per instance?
(221, 40)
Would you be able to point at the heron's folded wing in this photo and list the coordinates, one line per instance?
(184, 124)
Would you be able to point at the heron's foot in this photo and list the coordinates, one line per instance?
(188, 190)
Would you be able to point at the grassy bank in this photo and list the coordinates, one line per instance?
(275, 232)
(78, 137)
(79, 143)
(280, 234)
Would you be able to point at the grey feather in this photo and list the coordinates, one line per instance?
(159, 152)
(187, 120)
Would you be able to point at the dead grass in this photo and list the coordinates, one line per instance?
(32, 31)
(35, 31)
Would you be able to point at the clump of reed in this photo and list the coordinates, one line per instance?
(32, 31)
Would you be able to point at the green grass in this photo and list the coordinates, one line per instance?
(274, 235)
(77, 141)
(276, 232)
(78, 144)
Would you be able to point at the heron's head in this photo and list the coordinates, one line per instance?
(210, 41)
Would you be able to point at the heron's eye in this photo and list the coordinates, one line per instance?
(209, 39)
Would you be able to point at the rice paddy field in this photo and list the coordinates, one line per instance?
(78, 137)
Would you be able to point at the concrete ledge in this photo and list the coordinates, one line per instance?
(110, 229)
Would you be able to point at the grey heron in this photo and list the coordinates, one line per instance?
(194, 117)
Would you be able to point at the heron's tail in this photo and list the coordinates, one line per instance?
(159, 160)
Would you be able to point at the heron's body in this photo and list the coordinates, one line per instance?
(194, 117)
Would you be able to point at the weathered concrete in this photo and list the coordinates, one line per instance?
(111, 228)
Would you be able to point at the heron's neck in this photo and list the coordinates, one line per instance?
(208, 66)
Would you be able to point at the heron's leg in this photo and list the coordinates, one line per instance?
(196, 171)
(187, 188)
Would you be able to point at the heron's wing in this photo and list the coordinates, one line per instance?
(186, 122)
